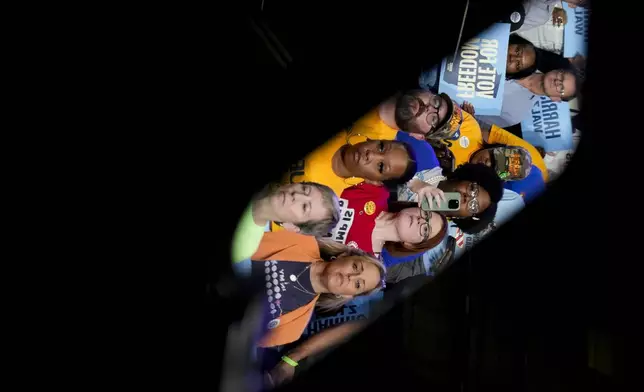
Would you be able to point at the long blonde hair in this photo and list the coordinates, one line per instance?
(329, 250)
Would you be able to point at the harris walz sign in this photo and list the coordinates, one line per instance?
(477, 74)
(549, 125)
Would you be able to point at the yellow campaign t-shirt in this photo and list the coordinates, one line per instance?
(468, 140)
(501, 136)
(371, 126)
(316, 167)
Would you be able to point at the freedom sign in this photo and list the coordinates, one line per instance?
(549, 125)
(477, 75)
(576, 31)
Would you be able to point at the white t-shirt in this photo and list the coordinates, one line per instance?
(538, 27)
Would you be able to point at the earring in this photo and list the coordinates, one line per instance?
(353, 178)
(350, 135)
(338, 296)
(333, 257)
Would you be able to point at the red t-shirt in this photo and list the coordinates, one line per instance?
(360, 206)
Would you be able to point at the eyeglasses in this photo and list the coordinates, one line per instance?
(432, 118)
(559, 83)
(425, 228)
(473, 191)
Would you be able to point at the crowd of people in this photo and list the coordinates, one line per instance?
(356, 208)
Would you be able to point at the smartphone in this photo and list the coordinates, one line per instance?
(452, 203)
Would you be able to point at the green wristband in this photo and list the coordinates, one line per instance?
(289, 361)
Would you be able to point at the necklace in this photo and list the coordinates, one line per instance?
(296, 279)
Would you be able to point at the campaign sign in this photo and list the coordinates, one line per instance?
(549, 125)
(477, 75)
(576, 31)
(358, 309)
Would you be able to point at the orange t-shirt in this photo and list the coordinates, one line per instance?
(288, 246)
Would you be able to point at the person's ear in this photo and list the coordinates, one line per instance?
(555, 98)
(417, 136)
(377, 183)
(291, 227)
(408, 245)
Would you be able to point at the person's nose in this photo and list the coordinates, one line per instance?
(297, 196)
(351, 274)
(465, 198)
(377, 155)
(368, 154)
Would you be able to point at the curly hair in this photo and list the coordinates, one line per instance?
(487, 179)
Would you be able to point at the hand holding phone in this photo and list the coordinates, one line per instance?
(451, 202)
(426, 191)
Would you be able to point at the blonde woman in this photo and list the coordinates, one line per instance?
(301, 272)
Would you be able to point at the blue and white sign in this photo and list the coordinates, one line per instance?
(358, 309)
(549, 125)
(576, 31)
(477, 75)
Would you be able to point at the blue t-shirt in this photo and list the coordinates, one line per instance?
(425, 155)
(530, 187)
(389, 260)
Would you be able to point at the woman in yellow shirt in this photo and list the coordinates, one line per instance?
(339, 165)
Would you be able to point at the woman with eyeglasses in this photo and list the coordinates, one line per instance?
(301, 272)
(339, 164)
(366, 222)
(480, 188)
(492, 139)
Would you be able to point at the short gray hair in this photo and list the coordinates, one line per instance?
(331, 203)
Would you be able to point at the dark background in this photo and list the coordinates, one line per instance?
(549, 303)
(191, 115)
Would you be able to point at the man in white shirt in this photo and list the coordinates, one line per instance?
(539, 12)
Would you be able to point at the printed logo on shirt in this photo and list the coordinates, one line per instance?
(273, 324)
(464, 142)
(296, 171)
(275, 287)
(370, 207)
(456, 135)
(340, 231)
